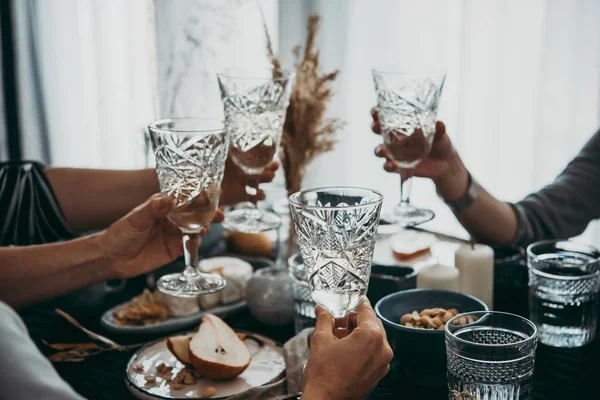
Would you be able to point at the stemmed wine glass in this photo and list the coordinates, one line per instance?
(255, 104)
(336, 229)
(190, 161)
(407, 108)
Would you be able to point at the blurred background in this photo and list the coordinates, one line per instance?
(82, 78)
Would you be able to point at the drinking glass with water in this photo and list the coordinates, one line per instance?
(491, 358)
(564, 281)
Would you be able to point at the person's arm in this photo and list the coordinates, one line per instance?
(487, 219)
(34, 273)
(139, 242)
(560, 210)
(92, 199)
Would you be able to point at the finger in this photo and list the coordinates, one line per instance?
(253, 180)
(440, 128)
(219, 216)
(365, 313)
(325, 321)
(155, 208)
(204, 231)
(174, 247)
(352, 320)
(390, 166)
(374, 114)
(381, 151)
(376, 127)
(274, 166)
(260, 195)
(267, 176)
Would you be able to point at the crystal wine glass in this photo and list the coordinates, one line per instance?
(190, 160)
(255, 104)
(336, 229)
(407, 108)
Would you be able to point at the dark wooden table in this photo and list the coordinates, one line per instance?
(559, 373)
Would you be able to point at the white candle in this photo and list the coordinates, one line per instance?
(476, 265)
(438, 276)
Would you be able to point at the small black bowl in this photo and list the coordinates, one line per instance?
(421, 352)
(386, 279)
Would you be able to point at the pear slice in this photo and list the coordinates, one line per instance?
(216, 351)
(179, 346)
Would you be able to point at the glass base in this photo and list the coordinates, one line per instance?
(408, 215)
(179, 285)
(251, 221)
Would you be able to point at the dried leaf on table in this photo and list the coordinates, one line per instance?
(92, 335)
(67, 346)
(72, 355)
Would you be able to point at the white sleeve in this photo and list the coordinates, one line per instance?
(24, 372)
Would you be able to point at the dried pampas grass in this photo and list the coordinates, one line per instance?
(306, 131)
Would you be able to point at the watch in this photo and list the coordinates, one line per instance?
(466, 199)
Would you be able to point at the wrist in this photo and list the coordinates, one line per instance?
(455, 181)
(100, 243)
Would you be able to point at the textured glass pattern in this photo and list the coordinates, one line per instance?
(187, 165)
(255, 107)
(564, 285)
(407, 108)
(491, 358)
(336, 235)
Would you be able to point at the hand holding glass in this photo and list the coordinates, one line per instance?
(407, 108)
(336, 229)
(190, 161)
(255, 104)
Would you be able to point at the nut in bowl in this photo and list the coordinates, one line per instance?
(420, 349)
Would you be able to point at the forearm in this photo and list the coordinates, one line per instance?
(311, 393)
(93, 199)
(34, 273)
(488, 219)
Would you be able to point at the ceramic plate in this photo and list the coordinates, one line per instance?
(267, 366)
(171, 324)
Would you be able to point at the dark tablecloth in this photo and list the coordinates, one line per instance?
(559, 373)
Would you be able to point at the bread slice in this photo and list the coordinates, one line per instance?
(179, 346)
(216, 351)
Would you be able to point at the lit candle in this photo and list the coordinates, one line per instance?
(476, 265)
(438, 276)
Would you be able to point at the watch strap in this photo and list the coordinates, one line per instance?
(466, 199)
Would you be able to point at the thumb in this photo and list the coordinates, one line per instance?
(325, 321)
(145, 215)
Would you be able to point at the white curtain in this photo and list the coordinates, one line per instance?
(98, 78)
(108, 67)
(521, 97)
(522, 93)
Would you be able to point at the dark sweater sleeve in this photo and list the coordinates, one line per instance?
(29, 211)
(564, 208)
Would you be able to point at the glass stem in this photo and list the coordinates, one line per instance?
(191, 244)
(281, 254)
(251, 208)
(405, 186)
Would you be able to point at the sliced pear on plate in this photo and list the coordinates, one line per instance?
(179, 346)
(216, 351)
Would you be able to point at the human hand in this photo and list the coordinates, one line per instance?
(235, 182)
(144, 239)
(347, 368)
(434, 165)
